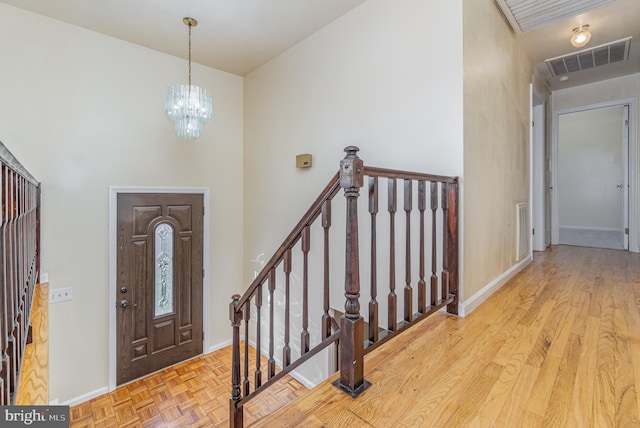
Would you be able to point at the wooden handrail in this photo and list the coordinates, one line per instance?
(438, 192)
(407, 175)
(7, 158)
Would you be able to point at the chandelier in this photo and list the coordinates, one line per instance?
(190, 107)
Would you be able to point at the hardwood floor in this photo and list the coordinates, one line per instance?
(559, 346)
(33, 388)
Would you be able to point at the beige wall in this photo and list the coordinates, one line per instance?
(379, 77)
(497, 74)
(83, 112)
(367, 79)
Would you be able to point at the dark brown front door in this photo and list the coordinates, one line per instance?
(159, 289)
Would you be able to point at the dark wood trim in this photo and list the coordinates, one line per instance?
(453, 249)
(394, 173)
(349, 335)
(373, 303)
(352, 324)
(286, 370)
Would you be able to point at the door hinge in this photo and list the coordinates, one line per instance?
(626, 230)
(202, 334)
(203, 210)
(533, 231)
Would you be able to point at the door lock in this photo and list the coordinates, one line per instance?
(125, 304)
(123, 290)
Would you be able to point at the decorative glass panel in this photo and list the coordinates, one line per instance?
(163, 269)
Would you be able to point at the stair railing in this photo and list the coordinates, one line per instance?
(435, 193)
(19, 266)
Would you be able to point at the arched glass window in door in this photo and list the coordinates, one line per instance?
(163, 290)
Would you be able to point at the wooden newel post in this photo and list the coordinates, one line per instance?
(352, 325)
(236, 419)
(452, 244)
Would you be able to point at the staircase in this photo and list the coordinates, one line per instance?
(19, 267)
(297, 289)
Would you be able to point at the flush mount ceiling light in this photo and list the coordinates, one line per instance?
(190, 107)
(581, 36)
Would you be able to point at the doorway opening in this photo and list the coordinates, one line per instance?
(594, 186)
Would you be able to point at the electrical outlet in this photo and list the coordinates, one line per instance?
(60, 295)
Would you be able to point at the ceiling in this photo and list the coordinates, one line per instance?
(236, 36)
(611, 22)
(239, 36)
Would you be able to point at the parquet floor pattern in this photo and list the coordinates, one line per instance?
(190, 394)
(33, 386)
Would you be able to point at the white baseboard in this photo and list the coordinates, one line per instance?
(219, 346)
(84, 397)
(594, 229)
(104, 390)
(303, 380)
(477, 299)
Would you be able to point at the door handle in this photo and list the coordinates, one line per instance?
(125, 304)
(618, 186)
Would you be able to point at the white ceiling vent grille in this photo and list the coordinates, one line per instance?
(589, 58)
(528, 15)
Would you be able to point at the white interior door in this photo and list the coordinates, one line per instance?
(629, 179)
(592, 179)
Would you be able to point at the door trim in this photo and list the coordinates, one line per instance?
(113, 214)
(632, 162)
(537, 171)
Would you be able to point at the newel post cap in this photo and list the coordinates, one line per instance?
(351, 169)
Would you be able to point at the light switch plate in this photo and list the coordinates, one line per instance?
(60, 295)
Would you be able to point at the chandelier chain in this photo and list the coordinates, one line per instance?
(190, 25)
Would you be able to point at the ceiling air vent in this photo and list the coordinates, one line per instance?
(528, 15)
(589, 58)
